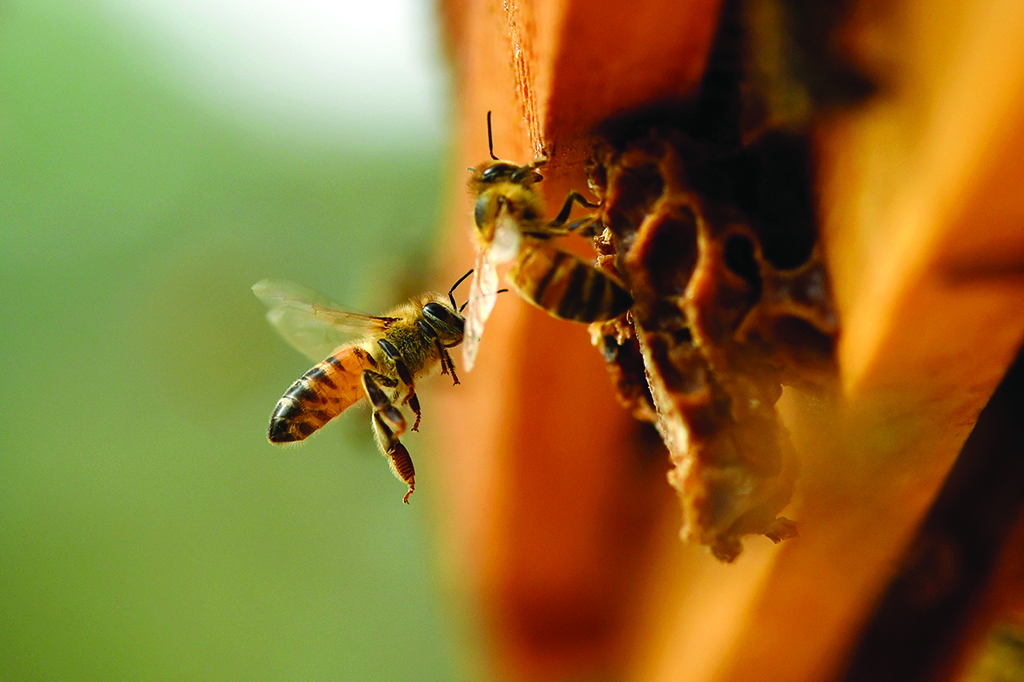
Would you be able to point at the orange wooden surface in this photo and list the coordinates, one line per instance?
(561, 537)
(549, 508)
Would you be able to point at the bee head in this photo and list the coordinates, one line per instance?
(446, 322)
(494, 172)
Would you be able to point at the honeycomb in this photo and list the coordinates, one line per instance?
(732, 303)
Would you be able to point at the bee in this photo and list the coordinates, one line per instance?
(510, 226)
(397, 349)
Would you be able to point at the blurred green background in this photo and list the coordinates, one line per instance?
(148, 531)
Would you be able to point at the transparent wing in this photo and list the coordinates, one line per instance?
(483, 289)
(309, 321)
(507, 242)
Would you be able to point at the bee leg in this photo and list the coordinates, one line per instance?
(405, 375)
(563, 215)
(445, 357)
(444, 361)
(413, 401)
(381, 379)
(414, 405)
(447, 366)
(586, 226)
(400, 367)
(383, 408)
(398, 456)
(429, 332)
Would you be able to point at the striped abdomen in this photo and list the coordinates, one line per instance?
(566, 286)
(321, 394)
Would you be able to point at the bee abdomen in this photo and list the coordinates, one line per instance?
(567, 286)
(317, 397)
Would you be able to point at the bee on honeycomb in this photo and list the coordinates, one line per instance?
(731, 302)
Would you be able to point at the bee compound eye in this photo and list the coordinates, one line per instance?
(433, 309)
(483, 207)
(498, 171)
(447, 323)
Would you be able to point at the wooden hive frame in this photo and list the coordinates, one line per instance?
(565, 546)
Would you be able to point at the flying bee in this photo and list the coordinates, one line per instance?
(510, 226)
(406, 344)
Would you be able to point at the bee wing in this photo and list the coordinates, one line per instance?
(483, 290)
(508, 240)
(310, 321)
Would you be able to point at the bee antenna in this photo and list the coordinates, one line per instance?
(451, 292)
(490, 138)
(463, 307)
